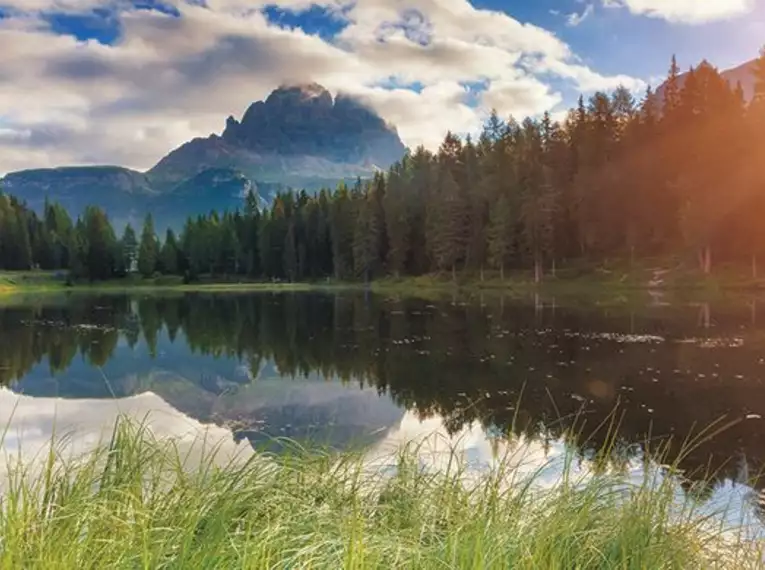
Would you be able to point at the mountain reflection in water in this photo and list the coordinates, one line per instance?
(347, 370)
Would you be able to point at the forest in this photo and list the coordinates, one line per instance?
(676, 173)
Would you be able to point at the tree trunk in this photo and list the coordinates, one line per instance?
(705, 260)
(454, 272)
(554, 268)
(482, 273)
(754, 312)
(704, 315)
(708, 261)
(537, 269)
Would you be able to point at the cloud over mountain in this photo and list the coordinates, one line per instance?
(157, 74)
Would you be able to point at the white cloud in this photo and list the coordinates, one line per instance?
(575, 19)
(168, 79)
(685, 11)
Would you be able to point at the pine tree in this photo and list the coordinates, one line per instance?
(397, 213)
(672, 88)
(537, 214)
(342, 224)
(148, 251)
(129, 247)
(97, 244)
(169, 254)
(59, 225)
(757, 107)
(500, 239)
(366, 239)
(290, 254)
(228, 246)
(447, 224)
(249, 235)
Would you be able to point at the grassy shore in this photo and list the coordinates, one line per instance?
(137, 503)
(661, 277)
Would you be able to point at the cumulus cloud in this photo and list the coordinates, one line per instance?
(685, 11)
(174, 74)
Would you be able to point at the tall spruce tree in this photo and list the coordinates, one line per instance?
(169, 254)
(129, 249)
(500, 234)
(148, 250)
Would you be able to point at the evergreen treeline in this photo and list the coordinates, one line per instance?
(676, 173)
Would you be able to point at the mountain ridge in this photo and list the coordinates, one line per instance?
(299, 137)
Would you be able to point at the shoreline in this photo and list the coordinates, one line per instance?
(593, 285)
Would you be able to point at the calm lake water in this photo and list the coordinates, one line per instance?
(361, 370)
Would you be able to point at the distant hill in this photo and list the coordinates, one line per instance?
(299, 137)
(743, 74)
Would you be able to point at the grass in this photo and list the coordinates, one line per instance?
(141, 503)
(614, 281)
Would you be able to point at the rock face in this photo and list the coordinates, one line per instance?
(305, 121)
(298, 137)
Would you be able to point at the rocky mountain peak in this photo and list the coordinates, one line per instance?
(297, 94)
(305, 120)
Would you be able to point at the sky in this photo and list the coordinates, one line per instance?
(126, 81)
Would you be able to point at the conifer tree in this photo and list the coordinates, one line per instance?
(500, 234)
(129, 247)
(366, 238)
(342, 224)
(169, 254)
(447, 224)
(148, 251)
(290, 254)
(98, 244)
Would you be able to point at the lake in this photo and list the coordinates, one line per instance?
(662, 382)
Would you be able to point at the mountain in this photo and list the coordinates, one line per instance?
(743, 74)
(127, 195)
(299, 137)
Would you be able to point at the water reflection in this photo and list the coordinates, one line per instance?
(77, 426)
(344, 370)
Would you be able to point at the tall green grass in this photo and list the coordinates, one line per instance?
(141, 503)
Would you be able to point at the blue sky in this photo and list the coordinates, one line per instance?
(611, 40)
(115, 81)
(616, 40)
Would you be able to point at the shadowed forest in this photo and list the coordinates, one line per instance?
(673, 174)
